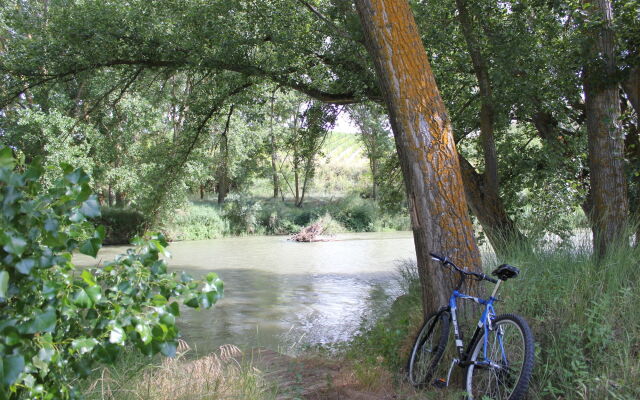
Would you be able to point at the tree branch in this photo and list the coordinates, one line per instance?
(326, 20)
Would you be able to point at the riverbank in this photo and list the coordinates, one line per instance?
(241, 216)
(254, 216)
(585, 317)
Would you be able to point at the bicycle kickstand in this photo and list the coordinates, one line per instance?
(442, 383)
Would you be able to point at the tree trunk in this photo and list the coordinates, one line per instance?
(274, 155)
(110, 196)
(606, 138)
(374, 177)
(120, 199)
(631, 87)
(425, 145)
(296, 183)
(501, 231)
(482, 191)
(223, 170)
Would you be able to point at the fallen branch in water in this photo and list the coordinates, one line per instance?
(310, 233)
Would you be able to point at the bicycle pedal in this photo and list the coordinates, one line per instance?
(440, 383)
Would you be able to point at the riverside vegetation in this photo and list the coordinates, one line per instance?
(57, 322)
(588, 342)
(585, 315)
(169, 106)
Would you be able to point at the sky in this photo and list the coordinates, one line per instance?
(344, 124)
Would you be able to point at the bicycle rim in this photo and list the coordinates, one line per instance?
(427, 350)
(506, 347)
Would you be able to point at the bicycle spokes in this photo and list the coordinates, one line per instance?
(498, 366)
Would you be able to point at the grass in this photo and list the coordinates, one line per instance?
(585, 316)
(221, 375)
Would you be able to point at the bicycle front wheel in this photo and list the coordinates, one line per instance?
(428, 348)
(502, 370)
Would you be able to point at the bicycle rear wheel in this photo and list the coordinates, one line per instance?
(505, 372)
(428, 348)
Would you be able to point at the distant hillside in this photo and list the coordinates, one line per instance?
(344, 167)
(344, 150)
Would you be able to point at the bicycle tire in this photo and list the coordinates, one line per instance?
(428, 348)
(516, 360)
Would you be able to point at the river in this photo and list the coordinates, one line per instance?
(281, 294)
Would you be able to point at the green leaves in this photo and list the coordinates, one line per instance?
(117, 335)
(90, 208)
(144, 330)
(82, 299)
(4, 285)
(91, 247)
(42, 322)
(14, 245)
(24, 266)
(89, 314)
(11, 367)
(6, 158)
(84, 345)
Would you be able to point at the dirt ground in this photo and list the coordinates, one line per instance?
(315, 379)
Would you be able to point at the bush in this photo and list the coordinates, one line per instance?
(121, 225)
(355, 213)
(242, 214)
(198, 221)
(57, 322)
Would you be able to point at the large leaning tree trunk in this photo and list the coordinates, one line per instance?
(609, 214)
(425, 145)
(482, 190)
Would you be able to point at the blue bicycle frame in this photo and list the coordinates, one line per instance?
(484, 325)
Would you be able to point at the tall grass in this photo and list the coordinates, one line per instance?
(585, 315)
(221, 375)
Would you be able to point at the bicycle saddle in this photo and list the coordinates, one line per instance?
(505, 271)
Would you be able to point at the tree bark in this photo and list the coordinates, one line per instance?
(500, 229)
(274, 155)
(606, 138)
(631, 87)
(223, 170)
(425, 145)
(373, 164)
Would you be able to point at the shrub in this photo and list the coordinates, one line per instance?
(198, 221)
(355, 213)
(242, 214)
(56, 321)
(121, 224)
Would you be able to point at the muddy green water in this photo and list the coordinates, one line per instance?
(281, 294)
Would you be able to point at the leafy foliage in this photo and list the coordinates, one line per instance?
(56, 321)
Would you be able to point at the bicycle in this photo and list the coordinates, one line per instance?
(499, 358)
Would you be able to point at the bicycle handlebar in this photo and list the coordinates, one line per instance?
(445, 261)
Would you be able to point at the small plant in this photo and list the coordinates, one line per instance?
(56, 322)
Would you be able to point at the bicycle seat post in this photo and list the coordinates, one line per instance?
(495, 289)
